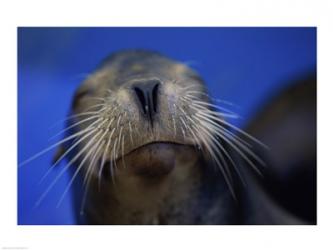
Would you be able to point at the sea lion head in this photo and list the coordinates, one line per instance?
(139, 109)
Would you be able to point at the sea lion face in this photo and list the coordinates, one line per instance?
(136, 110)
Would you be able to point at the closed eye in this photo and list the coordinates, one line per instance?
(80, 94)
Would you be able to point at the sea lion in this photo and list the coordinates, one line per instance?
(287, 124)
(146, 145)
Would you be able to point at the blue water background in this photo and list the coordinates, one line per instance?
(244, 66)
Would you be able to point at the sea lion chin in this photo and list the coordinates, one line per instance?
(153, 160)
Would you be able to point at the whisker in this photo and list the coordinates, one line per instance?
(237, 129)
(174, 126)
(63, 155)
(92, 162)
(74, 125)
(57, 144)
(191, 131)
(205, 110)
(239, 144)
(94, 152)
(65, 169)
(198, 103)
(234, 136)
(217, 161)
(188, 87)
(118, 122)
(85, 195)
(104, 156)
(122, 150)
(258, 159)
(223, 130)
(114, 153)
(183, 132)
(76, 173)
(99, 142)
(96, 98)
(131, 131)
(76, 116)
(182, 120)
(111, 170)
(174, 121)
(101, 104)
(205, 128)
(216, 144)
(212, 98)
(244, 156)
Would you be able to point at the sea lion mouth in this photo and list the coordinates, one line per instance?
(153, 144)
(153, 159)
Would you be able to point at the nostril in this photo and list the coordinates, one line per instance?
(155, 94)
(142, 99)
(147, 95)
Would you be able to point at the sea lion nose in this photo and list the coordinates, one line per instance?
(147, 95)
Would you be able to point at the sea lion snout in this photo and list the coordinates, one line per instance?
(146, 93)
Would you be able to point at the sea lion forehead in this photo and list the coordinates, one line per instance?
(129, 65)
(129, 58)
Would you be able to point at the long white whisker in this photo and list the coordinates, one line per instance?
(197, 102)
(76, 116)
(104, 156)
(64, 154)
(113, 159)
(247, 150)
(218, 119)
(205, 110)
(96, 98)
(234, 136)
(220, 146)
(222, 135)
(206, 128)
(212, 98)
(223, 131)
(188, 87)
(122, 151)
(100, 143)
(65, 169)
(185, 125)
(102, 104)
(85, 195)
(216, 145)
(240, 152)
(244, 156)
(74, 125)
(217, 161)
(195, 137)
(58, 143)
(183, 132)
(131, 131)
(174, 121)
(77, 171)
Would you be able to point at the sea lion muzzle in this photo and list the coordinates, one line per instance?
(147, 96)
